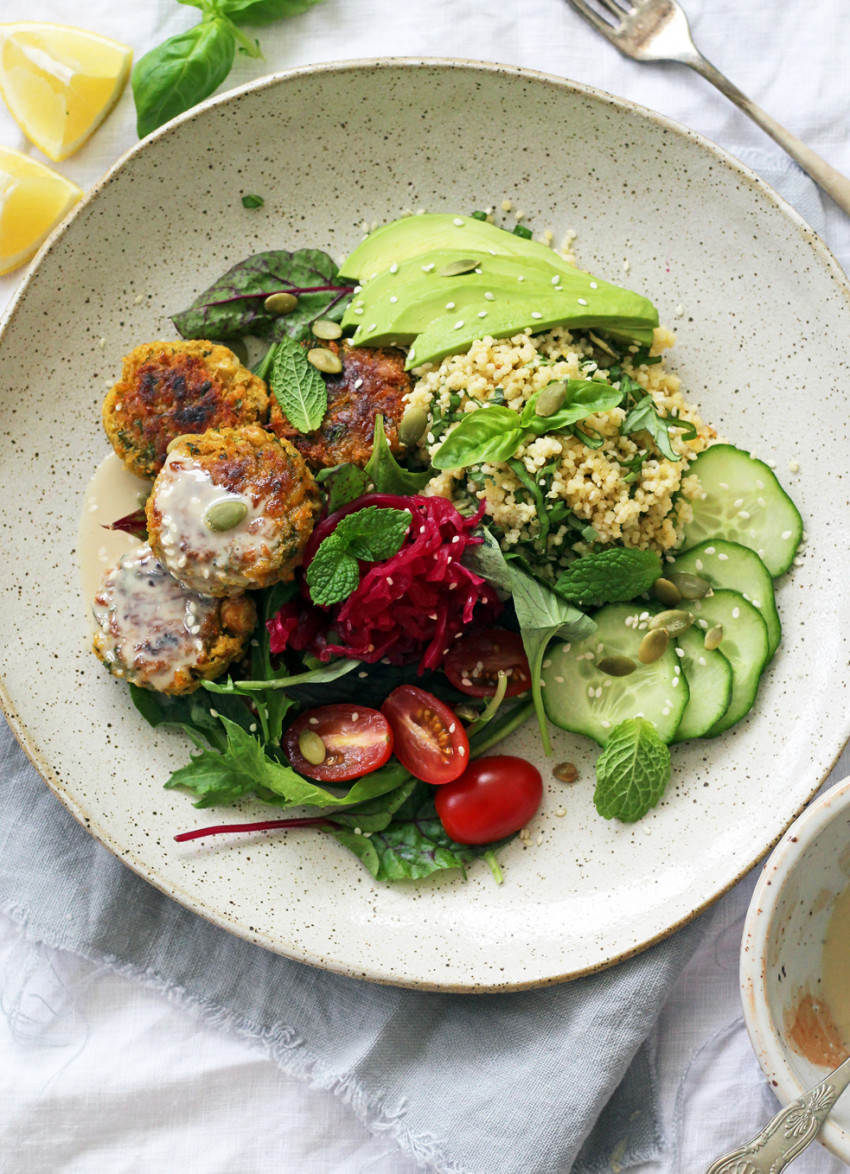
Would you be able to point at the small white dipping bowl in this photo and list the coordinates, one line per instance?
(782, 956)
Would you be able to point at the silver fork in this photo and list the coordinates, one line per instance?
(658, 30)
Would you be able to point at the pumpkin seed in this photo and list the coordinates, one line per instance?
(324, 328)
(602, 345)
(616, 666)
(551, 398)
(674, 621)
(175, 440)
(691, 586)
(281, 303)
(325, 360)
(456, 268)
(312, 747)
(565, 772)
(224, 515)
(653, 646)
(713, 638)
(667, 592)
(412, 425)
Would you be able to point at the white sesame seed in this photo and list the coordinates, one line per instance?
(593, 285)
(461, 750)
(313, 721)
(374, 326)
(362, 676)
(794, 466)
(736, 611)
(605, 725)
(724, 558)
(536, 314)
(489, 297)
(452, 728)
(710, 549)
(582, 301)
(675, 682)
(680, 652)
(560, 812)
(786, 534)
(459, 324)
(393, 300)
(555, 279)
(458, 221)
(701, 661)
(394, 267)
(482, 313)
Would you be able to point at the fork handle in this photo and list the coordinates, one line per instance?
(833, 182)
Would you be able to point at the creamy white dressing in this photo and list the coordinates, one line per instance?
(836, 965)
(112, 493)
(200, 557)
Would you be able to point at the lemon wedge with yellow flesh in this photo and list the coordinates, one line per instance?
(60, 83)
(33, 199)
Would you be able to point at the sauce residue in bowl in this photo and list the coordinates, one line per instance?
(836, 966)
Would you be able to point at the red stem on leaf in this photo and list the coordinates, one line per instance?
(262, 825)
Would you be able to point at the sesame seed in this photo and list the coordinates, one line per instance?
(606, 725)
(794, 466)
(560, 812)
(482, 313)
(722, 557)
(489, 296)
(358, 383)
(736, 611)
(536, 314)
(680, 652)
(374, 326)
(698, 564)
(555, 279)
(710, 549)
(459, 324)
(701, 661)
(393, 300)
(458, 222)
(363, 676)
(313, 721)
(394, 267)
(582, 301)
(461, 750)
(450, 305)
(675, 682)
(743, 514)
(427, 268)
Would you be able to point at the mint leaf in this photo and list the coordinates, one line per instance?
(644, 417)
(384, 471)
(372, 534)
(632, 771)
(298, 387)
(610, 576)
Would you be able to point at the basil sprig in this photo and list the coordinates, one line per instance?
(495, 433)
(190, 66)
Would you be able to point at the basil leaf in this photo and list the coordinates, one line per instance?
(384, 471)
(298, 387)
(644, 417)
(487, 434)
(632, 771)
(261, 11)
(585, 397)
(610, 576)
(234, 305)
(181, 72)
(372, 534)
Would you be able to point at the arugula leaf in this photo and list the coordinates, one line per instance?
(182, 71)
(298, 387)
(540, 612)
(384, 471)
(610, 576)
(644, 417)
(234, 305)
(373, 535)
(632, 771)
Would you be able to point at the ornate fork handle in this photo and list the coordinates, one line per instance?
(789, 1132)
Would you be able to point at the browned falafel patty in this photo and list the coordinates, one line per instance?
(372, 382)
(232, 510)
(154, 633)
(170, 389)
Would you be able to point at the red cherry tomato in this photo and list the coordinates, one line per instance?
(428, 739)
(474, 661)
(357, 741)
(493, 798)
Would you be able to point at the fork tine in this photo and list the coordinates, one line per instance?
(592, 17)
(616, 8)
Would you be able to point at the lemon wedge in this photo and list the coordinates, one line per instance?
(60, 83)
(33, 199)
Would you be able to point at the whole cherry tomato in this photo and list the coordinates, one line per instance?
(493, 798)
(428, 739)
(354, 740)
(474, 661)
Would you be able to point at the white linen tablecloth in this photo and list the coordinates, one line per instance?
(99, 1073)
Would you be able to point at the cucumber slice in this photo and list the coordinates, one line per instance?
(744, 503)
(709, 677)
(744, 645)
(728, 564)
(580, 698)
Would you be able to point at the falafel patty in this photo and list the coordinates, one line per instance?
(170, 389)
(154, 633)
(372, 382)
(232, 510)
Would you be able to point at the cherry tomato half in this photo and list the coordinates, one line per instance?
(493, 798)
(474, 661)
(428, 739)
(356, 741)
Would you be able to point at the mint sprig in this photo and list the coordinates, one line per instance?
(372, 535)
(632, 771)
(298, 387)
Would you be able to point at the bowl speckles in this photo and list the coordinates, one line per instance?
(763, 350)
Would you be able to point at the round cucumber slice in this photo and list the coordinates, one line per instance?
(744, 503)
(744, 645)
(728, 564)
(580, 698)
(709, 677)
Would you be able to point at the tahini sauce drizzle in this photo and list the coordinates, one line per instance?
(112, 493)
(836, 965)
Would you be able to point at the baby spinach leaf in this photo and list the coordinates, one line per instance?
(632, 771)
(644, 417)
(373, 535)
(384, 471)
(181, 72)
(234, 305)
(610, 576)
(343, 484)
(298, 387)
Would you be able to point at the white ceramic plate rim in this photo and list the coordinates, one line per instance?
(753, 971)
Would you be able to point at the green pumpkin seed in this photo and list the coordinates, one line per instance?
(713, 638)
(312, 747)
(565, 772)
(280, 303)
(456, 268)
(325, 360)
(551, 398)
(674, 621)
(324, 328)
(691, 586)
(653, 646)
(224, 515)
(616, 666)
(667, 592)
(412, 425)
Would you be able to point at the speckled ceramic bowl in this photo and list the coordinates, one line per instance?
(764, 347)
(782, 957)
